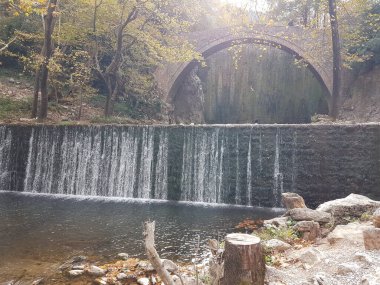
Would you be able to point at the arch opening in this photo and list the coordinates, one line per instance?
(213, 48)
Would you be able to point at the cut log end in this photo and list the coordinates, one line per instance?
(244, 260)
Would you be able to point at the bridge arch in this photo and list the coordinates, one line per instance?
(294, 40)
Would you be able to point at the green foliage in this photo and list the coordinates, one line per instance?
(13, 108)
(288, 235)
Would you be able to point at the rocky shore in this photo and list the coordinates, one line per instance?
(338, 243)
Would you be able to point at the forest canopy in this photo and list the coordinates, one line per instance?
(109, 49)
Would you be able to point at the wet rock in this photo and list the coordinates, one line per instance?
(277, 245)
(96, 271)
(305, 214)
(310, 230)
(79, 258)
(123, 256)
(376, 218)
(75, 272)
(122, 276)
(372, 238)
(346, 268)
(143, 281)
(281, 222)
(78, 267)
(353, 206)
(292, 201)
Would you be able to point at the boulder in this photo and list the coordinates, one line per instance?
(310, 230)
(292, 201)
(308, 257)
(351, 233)
(280, 222)
(376, 218)
(353, 206)
(277, 245)
(371, 238)
(305, 214)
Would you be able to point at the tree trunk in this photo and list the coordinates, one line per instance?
(47, 52)
(35, 95)
(149, 228)
(243, 260)
(337, 60)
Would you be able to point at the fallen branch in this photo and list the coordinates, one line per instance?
(153, 256)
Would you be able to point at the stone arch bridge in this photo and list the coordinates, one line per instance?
(311, 47)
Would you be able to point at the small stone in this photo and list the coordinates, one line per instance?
(277, 245)
(76, 272)
(123, 256)
(292, 201)
(360, 256)
(346, 268)
(122, 276)
(376, 218)
(79, 258)
(78, 267)
(39, 281)
(372, 238)
(145, 265)
(101, 281)
(143, 281)
(322, 278)
(169, 265)
(11, 80)
(95, 271)
(310, 257)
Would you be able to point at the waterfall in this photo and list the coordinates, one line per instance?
(294, 161)
(277, 175)
(249, 174)
(161, 184)
(94, 162)
(238, 190)
(202, 167)
(5, 153)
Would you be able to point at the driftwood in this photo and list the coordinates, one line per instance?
(243, 260)
(153, 256)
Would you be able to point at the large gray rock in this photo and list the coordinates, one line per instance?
(351, 233)
(305, 214)
(292, 201)
(353, 206)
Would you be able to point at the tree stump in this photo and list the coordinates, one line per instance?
(244, 262)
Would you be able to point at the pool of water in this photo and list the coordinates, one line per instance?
(43, 230)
